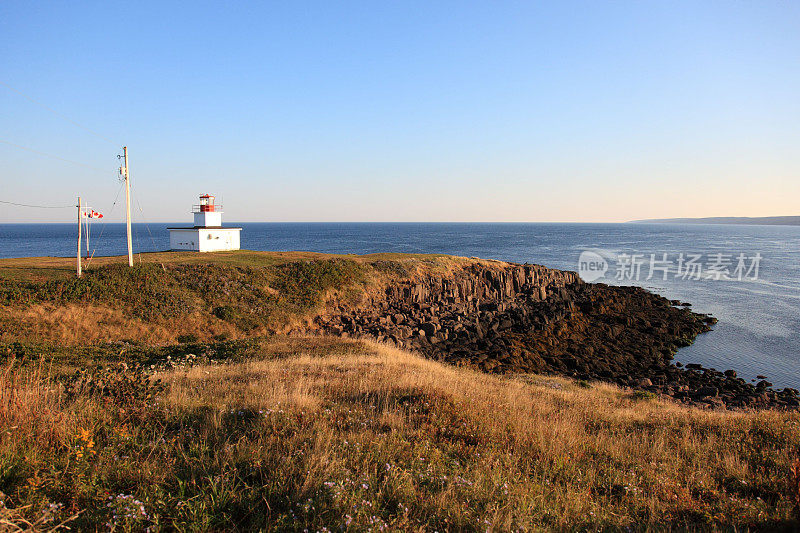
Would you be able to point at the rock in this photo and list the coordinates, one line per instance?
(429, 328)
(715, 402)
(706, 391)
(730, 373)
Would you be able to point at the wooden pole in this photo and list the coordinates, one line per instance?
(128, 206)
(80, 221)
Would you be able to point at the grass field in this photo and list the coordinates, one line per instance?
(337, 435)
(165, 397)
(49, 268)
(168, 295)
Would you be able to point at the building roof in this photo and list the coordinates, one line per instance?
(204, 227)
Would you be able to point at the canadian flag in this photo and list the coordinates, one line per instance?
(91, 213)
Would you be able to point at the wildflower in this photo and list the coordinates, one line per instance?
(86, 443)
(125, 510)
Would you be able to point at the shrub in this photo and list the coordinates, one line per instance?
(225, 312)
(394, 268)
(302, 283)
(120, 384)
(643, 395)
(146, 290)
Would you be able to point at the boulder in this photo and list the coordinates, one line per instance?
(429, 328)
(703, 392)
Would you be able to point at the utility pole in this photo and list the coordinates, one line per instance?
(80, 210)
(128, 206)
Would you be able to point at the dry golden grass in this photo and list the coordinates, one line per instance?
(658, 453)
(76, 324)
(352, 435)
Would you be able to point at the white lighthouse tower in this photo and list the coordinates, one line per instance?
(207, 235)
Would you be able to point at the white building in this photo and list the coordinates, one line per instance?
(207, 235)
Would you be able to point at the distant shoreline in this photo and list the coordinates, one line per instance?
(755, 221)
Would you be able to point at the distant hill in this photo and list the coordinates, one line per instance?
(769, 221)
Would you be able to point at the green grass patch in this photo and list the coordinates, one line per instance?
(643, 395)
(247, 296)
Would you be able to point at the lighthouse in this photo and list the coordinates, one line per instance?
(207, 234)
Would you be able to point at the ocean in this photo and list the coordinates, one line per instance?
(746, 276)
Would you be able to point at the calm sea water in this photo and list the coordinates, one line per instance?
(759, 319)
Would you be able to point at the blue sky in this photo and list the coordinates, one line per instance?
(404, 111)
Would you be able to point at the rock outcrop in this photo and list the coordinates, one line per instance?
(506, 318)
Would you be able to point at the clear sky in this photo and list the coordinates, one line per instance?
(404, 111)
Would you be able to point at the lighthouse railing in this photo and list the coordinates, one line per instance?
(207, 208)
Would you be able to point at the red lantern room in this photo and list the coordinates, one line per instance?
(207, 203)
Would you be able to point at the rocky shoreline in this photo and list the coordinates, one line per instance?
(506, 318)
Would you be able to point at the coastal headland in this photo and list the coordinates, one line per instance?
(298, 391)
(492, 316)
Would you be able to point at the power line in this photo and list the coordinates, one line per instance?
(38, 206)
(146, 224)
(56, 113)
(53, 156)
(103, 223)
